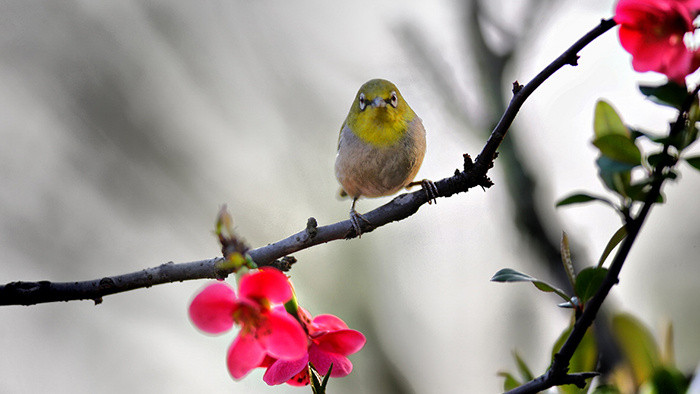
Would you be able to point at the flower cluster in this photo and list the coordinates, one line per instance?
(270, 337)
(653, 31)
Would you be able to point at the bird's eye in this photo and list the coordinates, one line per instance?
(361, 99)
(394, 101)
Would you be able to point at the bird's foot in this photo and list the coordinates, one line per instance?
(356, 219)
(430, 189)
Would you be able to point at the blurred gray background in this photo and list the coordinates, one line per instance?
(125, 125)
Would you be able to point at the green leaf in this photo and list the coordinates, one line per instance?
(566, 259)
(511, 275)
(524, 370)
(606, 121)
(509, 382)
(584, 358)
(667, 351)
(637, 345)
(694, 161)
(670, 94)
(616, 176)
(588, 281)
(579, 198)
(619, 235)
(666, 380)
(318, 386)
(326, 378)
(619, 148)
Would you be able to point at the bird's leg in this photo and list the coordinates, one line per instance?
(355, 219)
(429, 187)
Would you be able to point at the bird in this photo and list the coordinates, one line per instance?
(380, 147)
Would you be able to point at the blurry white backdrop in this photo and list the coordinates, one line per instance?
(124, 126)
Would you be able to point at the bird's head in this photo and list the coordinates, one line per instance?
(379, 115)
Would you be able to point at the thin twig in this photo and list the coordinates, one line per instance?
(401, 207)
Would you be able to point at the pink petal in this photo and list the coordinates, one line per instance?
(282, 336)
(281, 370)
(212, 309)
(342, 342)
(329, 323)
(323, 360)
(267, 283)
(692, 5)
(244, 354)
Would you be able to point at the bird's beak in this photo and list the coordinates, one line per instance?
(378, 102)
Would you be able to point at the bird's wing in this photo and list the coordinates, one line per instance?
(340, 133)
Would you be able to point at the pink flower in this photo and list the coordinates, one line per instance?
(265, 331)
(330, 342)
(653, 30)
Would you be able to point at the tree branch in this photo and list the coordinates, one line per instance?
(401, 207)
(560, 364)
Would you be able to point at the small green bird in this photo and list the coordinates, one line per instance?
(380, 147)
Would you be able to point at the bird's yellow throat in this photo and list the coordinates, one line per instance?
(381, 126)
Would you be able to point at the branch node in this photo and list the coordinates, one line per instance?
(468, 163)
(573, 59)
(285, 263)
(516, 87)
(311, 227)
(107, 283)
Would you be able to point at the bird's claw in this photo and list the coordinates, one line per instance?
(356, 220)
(430, 189)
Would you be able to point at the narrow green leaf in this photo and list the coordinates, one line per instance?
(588, 281)
(671, 94)
(326, 378)
(694, 161)
(317, 387)
(690, 134)
(524, 370)
(315, 383)
(509, 382)
(668, 355)
(560, 340)
(584, 358)
(566, 259)
(638, 346)
(544, 286)
(606, 121)
(579, 198)
(619, 235)
(619, 148)
(511, 275)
